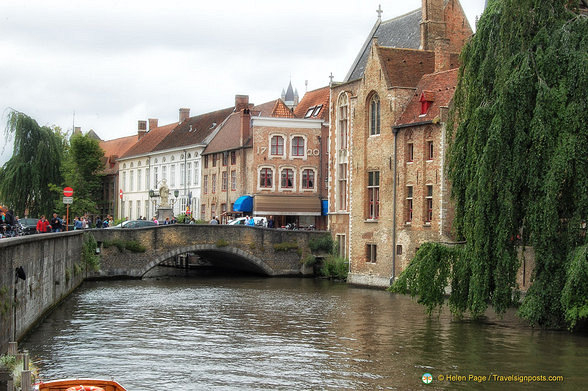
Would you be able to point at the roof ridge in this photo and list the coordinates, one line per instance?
(403, 15)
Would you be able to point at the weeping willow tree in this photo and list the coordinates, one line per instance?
(35, 164)
(518, 162)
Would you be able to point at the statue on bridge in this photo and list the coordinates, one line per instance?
(164, 194)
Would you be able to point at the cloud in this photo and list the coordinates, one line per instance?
(115, 62)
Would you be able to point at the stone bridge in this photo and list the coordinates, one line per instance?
(271, 252)
(38, 271)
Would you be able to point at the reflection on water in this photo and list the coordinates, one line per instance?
(285, 334)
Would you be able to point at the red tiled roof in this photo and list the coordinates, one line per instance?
(150, 140)
(405, 67)
(114, 149)
(229, 134)
(313, 99)
(273, 108)
(194, 130)
(281, 110)
(442, 85)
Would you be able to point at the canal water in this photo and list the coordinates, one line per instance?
(251, 333)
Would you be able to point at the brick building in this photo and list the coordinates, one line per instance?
(227, 160)
(270, 161)
(370, 178)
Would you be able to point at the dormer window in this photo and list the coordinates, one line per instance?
(317, 110)
(427, 98)
(313, 111)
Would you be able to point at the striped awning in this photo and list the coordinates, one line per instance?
(287, 205)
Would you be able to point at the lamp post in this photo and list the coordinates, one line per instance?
(176, 194)
(153, 195)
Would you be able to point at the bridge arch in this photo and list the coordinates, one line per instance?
(255, 264)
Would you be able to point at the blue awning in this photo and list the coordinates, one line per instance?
(243, 204)
(325, 207)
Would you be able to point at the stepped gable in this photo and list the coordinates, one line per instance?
(314, 104)
(113, 149)
(275, 108)
(150, 140)
(401, 32)
(194, 130)
(436, 88)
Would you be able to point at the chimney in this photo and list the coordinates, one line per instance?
(141, 128)
(77, 130)
(152, 123)
(432, 23)
(442, 55)
(241, 102)
(184, 114)
(245, 125)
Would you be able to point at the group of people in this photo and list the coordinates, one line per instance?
(56, 224)
(7, 221)
(167, 220)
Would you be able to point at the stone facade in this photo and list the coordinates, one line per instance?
(373, 125)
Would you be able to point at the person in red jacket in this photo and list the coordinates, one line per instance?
(43, 225)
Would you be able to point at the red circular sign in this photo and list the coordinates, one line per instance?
(120, 194)
(68, 192)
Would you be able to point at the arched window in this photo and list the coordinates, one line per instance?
(277, 145)
(374, 115)
(343, 114)
(298, 146)
(265, 177)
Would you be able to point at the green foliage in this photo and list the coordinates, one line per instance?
(67, 274)
(285, 246)
(517, 159)
(309, 260)
(221, 243)
(89, 256)
(8, 361)
(135, 247)
(183, 219)
(34, 165)
(335, 267)
(324, 243)
(428, 275)
(82, 169)
(118, 221)
(131, 245)
(574, 297)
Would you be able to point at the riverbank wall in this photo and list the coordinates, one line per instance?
(36, 273)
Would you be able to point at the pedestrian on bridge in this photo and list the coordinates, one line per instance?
(43, 225)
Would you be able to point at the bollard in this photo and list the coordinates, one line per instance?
(12, 348)
(25, 361)
(26, 383)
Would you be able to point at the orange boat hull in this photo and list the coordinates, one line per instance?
(64, 384)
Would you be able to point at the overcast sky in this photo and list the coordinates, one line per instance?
(115, 62)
